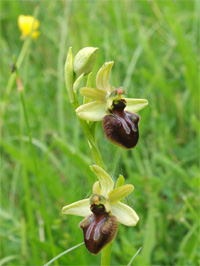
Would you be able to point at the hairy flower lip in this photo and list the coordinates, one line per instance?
(121, 128)
(98, 230)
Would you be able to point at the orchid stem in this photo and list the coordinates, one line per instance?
(92, 143)
(106, 254)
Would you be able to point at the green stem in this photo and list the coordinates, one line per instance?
(105, 254)
(43, 206)
(29, 211)
(61, 55)
(92, 143)
(89, 132)
(12, 78)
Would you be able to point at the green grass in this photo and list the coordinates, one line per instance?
(155, 48)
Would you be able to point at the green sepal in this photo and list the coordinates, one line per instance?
(69, 75)
(88, 84)
(103, 77)
(84, 60)
(135, 105)
(104, 178)
(91, 111)
(77, 83)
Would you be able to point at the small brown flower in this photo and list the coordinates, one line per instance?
(98, 228)
(121, 127)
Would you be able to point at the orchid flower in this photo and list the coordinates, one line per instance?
(103, 210)
(120, 122)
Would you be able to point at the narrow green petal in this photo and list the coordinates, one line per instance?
(77, 82)
(124, 214)
(135, 105)
(69, 72)
(94, 94)
(104, 178)
(79, 208)
(120, 181)
(103, 76)
(119, 193)
(91, 111)
(96, 188)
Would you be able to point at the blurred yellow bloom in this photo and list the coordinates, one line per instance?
(28, 25)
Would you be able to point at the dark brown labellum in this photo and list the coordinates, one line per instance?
(121, 127)
(98, 228)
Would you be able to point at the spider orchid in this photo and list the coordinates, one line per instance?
(103, 210)
(120, 122)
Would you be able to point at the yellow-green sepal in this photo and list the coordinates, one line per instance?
(84, 60)
(103, 77)
(96, 188)
(104, 178)
(79, 208)
(91, 111)
(135, 105)
(69, 75)
(124, 214)
(77, 83)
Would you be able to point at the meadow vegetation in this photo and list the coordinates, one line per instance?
(155, 48)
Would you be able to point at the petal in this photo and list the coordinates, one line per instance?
(96, 188)
(91, 111)
(77, 82)
(94, 94)
(135, 105)
(120, 181)
(21, 21)
(35, 34)
(34, 23)
(69, 75)
(103, 76)
(104, 178)
(79, 208)
(119, 193)
(124, 214)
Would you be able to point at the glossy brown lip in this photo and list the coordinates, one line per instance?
(121, 127)
(98, 228)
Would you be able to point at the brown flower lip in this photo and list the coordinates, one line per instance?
(98, 228)
(121, 127)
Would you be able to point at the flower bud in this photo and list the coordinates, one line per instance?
(98, 228)
(121, 127)
(84, 60)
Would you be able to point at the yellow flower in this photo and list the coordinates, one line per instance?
(28, 26)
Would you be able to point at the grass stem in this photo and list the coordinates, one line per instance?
(37, 173)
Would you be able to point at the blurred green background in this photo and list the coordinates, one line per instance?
(155, 48)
